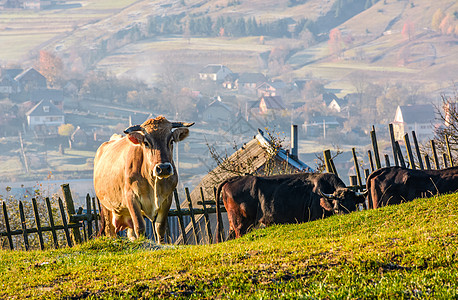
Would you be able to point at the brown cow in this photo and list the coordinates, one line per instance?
(134, 176)
(253, 201)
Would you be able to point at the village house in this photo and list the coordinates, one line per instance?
(7, 83)
(217, 113)
(246, 83)
(45, 117)
(214, 72)
(54, 95)
(418, 118)
(30, 79)
(270, 104)
(275, 88)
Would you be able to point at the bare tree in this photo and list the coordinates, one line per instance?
(448, 115)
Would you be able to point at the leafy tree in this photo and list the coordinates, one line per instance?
(446, 26)
(335, 41)
(408, 30)
(51, 67)
(437, 19)
(65, 129)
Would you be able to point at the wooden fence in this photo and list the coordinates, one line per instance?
(375, 160)
(81, 225)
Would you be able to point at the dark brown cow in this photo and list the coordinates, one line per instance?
(394, 185)
(251, 201)
(134, 176)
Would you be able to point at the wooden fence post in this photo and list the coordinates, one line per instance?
(51, 223)
(64, 222)
(399, 152)
(95, 217)
(355, 160)
(366, 174)
(353, 180)
(89, 215)
(409, 152)
(38, 223)
(393, 144)
(180, 216)
(387, 160)
(371, 161)
(375, 148)
(327, 161)
(207, 220)
(24, 226)
(427, 162)
(417, 150)
(220, 229)
(333, 166)
(449, 150)
(435, 158)
(70, 210)
(193, 220)
(7, 225)
(444, 157)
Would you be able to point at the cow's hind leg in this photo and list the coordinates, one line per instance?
(106, 223)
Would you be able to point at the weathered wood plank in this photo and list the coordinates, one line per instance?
(409, 152)
(64, 221)
(180, 216)
(7, 225)
(70, 210)
(51, 223)
(191, 214)
(355, 161)
(417, 150)
(38, 223)
(24, 226)
(206, 218)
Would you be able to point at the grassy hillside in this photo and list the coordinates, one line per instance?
(405, 251)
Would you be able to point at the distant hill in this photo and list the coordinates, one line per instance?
(119, 37)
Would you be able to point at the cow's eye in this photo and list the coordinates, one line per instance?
(147, 145)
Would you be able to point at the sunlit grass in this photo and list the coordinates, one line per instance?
(404, 251)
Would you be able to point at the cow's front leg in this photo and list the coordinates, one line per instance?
(160, 224)
(138, 223)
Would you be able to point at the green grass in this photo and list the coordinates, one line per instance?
(404, 251)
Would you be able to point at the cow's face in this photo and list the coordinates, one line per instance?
(156, 137)
(342, 201)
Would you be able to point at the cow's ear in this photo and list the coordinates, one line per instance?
(324, 203)
(135, 137)
(180, 134)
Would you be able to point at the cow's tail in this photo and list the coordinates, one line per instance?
(218, 211)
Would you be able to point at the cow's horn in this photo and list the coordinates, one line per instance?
(329, 196)
(181, 124)
(133, 128)
(361, 193)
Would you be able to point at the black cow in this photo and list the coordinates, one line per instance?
(394, 185)
(251, 201)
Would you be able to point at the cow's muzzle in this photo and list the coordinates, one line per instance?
(163, 170)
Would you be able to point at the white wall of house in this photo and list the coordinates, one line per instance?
(45, 120)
